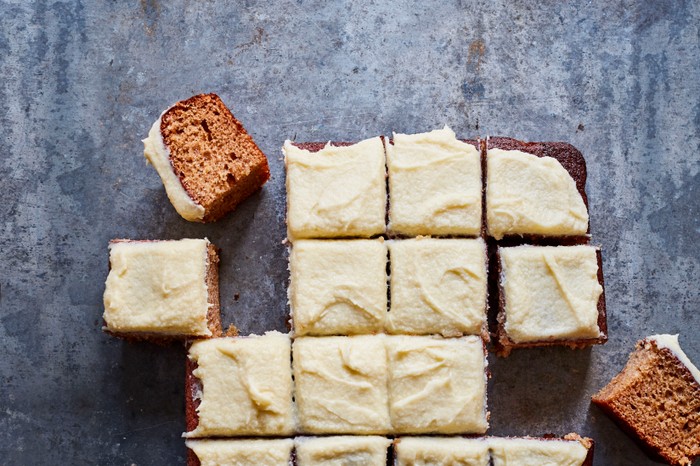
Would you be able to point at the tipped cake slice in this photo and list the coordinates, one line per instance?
(656, 400)
(208, 162)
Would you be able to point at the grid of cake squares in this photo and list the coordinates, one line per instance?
(375, 354)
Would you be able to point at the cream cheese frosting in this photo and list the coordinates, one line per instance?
(341, 384)
(437, 385)
(670, 342)
(536, 452)
(341, 451)
(526, 194)
(551, 293)
(246, 386)
(438, 286)
(276, 452)
(435, 184)
(339, 191)
(156, 152)
(441, 451)
(158, 287)
(338, 287)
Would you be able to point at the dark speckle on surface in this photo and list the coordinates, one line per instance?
(83, 82)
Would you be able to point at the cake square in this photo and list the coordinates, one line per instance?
(572, 450)
(434, 184)
(438, 286)
(341, 451)
(656, 400)
(437, 385)
(272, 452)
(413, 451)
(162, 289)
(341, 384)
(338, 287)
(240, 386)
(550, 295)
(336, 190)
(207, 161)
(535, 189)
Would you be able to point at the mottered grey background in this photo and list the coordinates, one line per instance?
(82, 82)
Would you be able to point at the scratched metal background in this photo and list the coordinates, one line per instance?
(82, 81)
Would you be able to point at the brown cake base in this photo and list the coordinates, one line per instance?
(504, 345)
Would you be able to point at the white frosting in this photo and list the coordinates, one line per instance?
(341, 384)
(551, 293)
(246, 386)
(526, 194)
(671, 342)
(338, 287)
(341, 451)
(438, 286)
(536, 452)
(337, 191)
(158, 287)
(435, 184)
(158, 155)
(437, 385)
(441, 451)
(242, 452)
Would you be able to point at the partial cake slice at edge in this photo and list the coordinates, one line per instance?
(655, 399)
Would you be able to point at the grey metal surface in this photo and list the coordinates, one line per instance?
(83, 81)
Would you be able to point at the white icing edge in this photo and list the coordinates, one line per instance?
(670, 342)
(158, 155)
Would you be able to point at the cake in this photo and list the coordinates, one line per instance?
(447, 451)
(335, 190)
(550, 295)
(340, 385)
(240, 386)
(341, 451)
(162, 289)
(207, 161)
(572, 450)
(435, 185)
(338, 287)
(437, 385)
(656, 399)
(535, 190)
(249, 452)
(438, 286)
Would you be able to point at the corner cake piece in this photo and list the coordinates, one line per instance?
(335, 190)
(572, 450)
(434, 184)
(338, 287)
(207, 161)
(240, 386)
(438, 286)
(656, 400)
(162, 289)
(341, 385)
(437, 385)
(535, 189)
(276, 452)
(341, 451)
(423, 451)
(550, 295)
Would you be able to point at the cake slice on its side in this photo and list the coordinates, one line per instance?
(207, 161)
(341, 451)
(274, 452)
(550, 295)
(335, 190)
(239, 386)
(656, 400)
(535, 190)
(162, 290)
